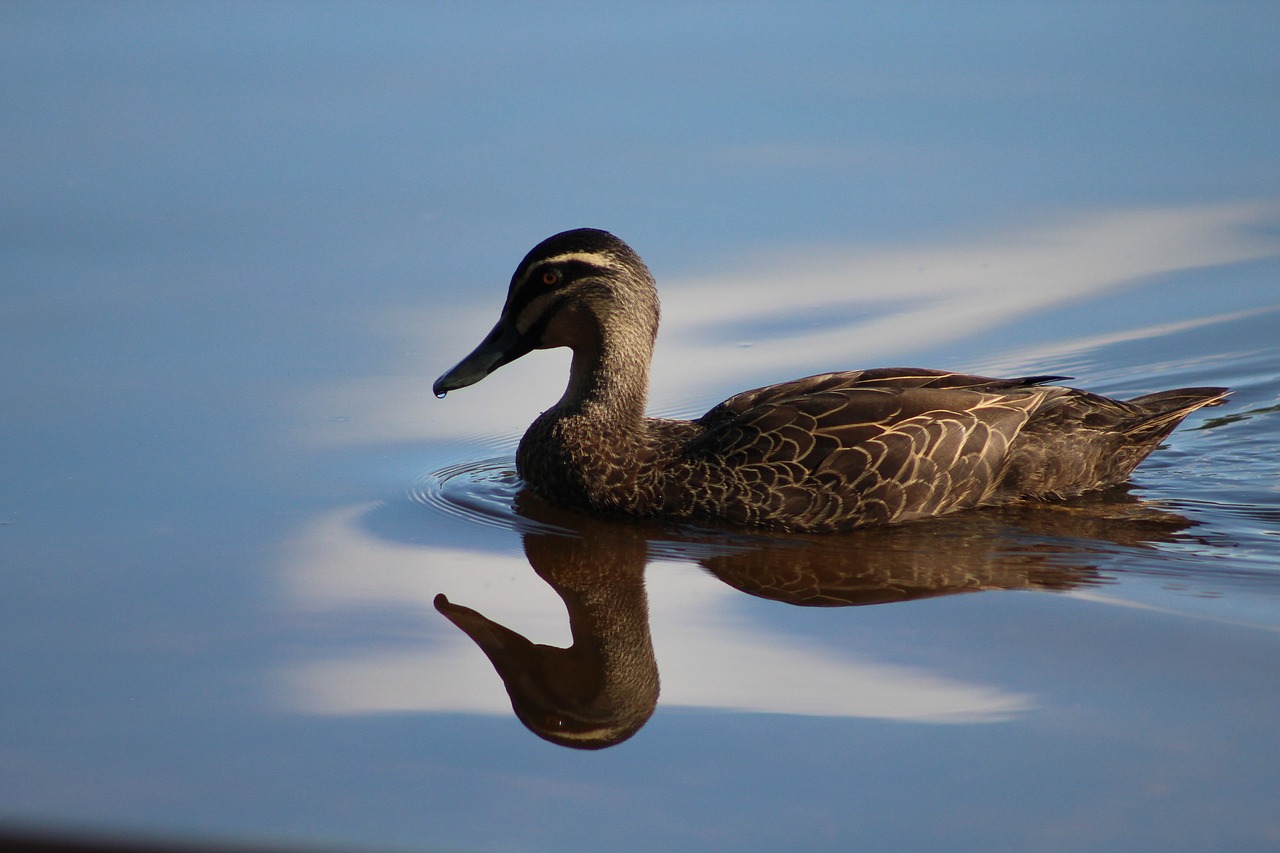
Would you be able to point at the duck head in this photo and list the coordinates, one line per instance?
(584, 289)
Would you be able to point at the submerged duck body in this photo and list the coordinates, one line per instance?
(820, 454)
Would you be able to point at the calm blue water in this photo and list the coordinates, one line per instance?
(238, 242)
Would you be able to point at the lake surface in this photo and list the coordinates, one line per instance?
(240, 242)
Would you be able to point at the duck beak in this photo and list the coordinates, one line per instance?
(506, 650)
(502, 345)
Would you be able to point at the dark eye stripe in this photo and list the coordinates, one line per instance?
(530, 339)
(569, 270)
(521, 298)
(532, 286)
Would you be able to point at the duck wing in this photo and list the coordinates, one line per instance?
(900, 378)
(840, 450)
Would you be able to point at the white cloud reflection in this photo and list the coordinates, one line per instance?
(709, 654)
(943, 293)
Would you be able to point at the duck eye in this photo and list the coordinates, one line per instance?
(551, 277)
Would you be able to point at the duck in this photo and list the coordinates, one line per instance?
(821, 454)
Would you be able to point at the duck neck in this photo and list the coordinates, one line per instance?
(609, 379)
(600, 577)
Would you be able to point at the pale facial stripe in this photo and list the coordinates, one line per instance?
(596, 259)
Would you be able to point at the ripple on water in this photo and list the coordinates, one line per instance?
(489, 492)
(482, 491)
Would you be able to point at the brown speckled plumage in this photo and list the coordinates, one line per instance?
(824, 453)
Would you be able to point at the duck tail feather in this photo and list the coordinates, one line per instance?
(1181, 400)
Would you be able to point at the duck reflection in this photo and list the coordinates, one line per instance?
(604, 687)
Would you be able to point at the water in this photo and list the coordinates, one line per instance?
(239, 246)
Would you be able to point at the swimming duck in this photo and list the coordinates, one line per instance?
(824, 453)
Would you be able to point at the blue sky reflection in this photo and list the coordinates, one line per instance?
(238, 241)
